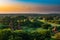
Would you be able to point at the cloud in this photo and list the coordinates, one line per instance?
(10, 6)
(29, 8)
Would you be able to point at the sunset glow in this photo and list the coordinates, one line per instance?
(23, 6)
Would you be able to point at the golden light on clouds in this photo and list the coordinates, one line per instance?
(19, 8)
(6, 6)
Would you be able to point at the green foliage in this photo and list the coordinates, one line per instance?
(3, 26)
(30, 28)
(37, 24)
(57, 36)
(7, 34)
(4, 34)
(46, 26)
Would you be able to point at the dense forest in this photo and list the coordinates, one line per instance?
(30, 27)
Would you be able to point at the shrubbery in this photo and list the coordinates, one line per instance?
(57, 36)
(7, 34)
(4, 34)
(28, 27)
(46, 26)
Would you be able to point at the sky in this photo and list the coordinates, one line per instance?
(45, 2)
(29, 5)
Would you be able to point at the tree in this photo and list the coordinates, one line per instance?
(46, 26)
(11, 25)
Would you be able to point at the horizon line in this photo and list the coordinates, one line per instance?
(29, 12)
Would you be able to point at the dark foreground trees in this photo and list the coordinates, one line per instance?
(7, 34)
